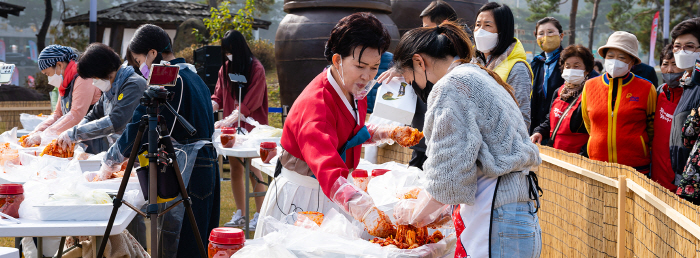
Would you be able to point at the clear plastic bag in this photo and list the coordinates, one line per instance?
(29, 122)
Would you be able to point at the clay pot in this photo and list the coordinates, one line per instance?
(406, 13)
(302, 35)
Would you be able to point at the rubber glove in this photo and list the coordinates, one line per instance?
(34, 138)
(360, 206)
(230, 120)
(106, 170)
(64, 140)
(423, 211)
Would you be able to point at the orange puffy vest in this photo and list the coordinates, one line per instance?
(619, 134)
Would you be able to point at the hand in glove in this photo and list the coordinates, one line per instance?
(33, 139)
(230, 120)
(424, 211)
(215, 105)
(106, 170)
(361, 207)
(64, 140)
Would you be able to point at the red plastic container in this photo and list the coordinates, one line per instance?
(268, 150)
(361, 178)
(379, 172)
(11, 196)
(224, 242)
(228, 137)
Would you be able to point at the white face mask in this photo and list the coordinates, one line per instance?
(573, 76)
(230, 57)
(56, 80)
(686, 59)
(485, 41)
(616, 68)
(101, 84)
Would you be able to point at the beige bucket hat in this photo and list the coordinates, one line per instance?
(624, 41)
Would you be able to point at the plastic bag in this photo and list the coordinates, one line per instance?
(29, 122)
(264, 247)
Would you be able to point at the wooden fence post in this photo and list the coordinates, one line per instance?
(621, 216)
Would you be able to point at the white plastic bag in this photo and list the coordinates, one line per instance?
(264, 247)
(29, 122)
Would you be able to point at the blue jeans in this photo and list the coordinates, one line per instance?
(515, 231)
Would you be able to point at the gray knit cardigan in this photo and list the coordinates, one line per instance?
(473, 123)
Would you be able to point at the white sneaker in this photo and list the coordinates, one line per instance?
(253, 223)
(238, 220)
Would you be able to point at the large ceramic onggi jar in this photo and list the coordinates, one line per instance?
(302, 35)
(406, 13)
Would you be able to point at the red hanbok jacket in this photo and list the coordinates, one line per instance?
(317, 127)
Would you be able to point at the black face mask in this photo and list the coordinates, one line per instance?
(422, 93)
(672, 79)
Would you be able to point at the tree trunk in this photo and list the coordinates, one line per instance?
(41, 37)
(591, 34)
(572, 22)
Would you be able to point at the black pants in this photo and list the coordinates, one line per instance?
(417, 159)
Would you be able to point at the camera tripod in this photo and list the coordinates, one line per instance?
(153, 97)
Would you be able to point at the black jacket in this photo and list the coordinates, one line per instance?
(689, 100)
(539, 103)
(647, 72)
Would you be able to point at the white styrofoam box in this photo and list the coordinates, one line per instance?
(85, 212)
(9, 252)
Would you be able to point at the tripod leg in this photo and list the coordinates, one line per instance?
(165, 140)
(125, 180)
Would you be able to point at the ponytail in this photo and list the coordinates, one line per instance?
(446, 39)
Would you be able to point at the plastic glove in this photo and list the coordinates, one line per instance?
(106, 170)
(421, 212)
(230, 120)
(33, 139)
(380, 134)
(64, 140)
(361, 207)
(215, 105)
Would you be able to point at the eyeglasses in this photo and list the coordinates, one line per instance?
(690, 48)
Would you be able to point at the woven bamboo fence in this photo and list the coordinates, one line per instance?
(10, 110)
(580, 214)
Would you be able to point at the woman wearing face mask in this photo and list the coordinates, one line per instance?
(545, 68)
(669, 94)
(121, 91)
(685, 38)
(564, 117)
(498, 50)
(238, 59)
(618, 107)
(325, 129)
(477, 169)
(191, 99)
(76, 95)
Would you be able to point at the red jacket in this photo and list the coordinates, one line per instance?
(255, 100)
(666, 103)
(317, 126)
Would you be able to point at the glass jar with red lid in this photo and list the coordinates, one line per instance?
(361, 178)
(224, 242)
(228, 137)
(268, 150)
(11, 196)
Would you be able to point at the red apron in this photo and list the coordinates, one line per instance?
(565, 139)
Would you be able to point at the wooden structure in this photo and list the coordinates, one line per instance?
(10, 110)
(7, 9)
(116, 25)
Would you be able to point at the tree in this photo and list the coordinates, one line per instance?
(41, 36)
(591, 32)
(221, 21)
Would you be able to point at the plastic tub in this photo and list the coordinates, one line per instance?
(11, 196)
(224, 242)
(361, 178)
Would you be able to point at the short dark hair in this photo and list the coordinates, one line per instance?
(505, 23)
(149, 36)
(549, 20)
(599, 64)
(439, 11)
(667, 53)
(689, 26)
(437, 42)
(357, 30)
(580, 51)
(98, 61)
